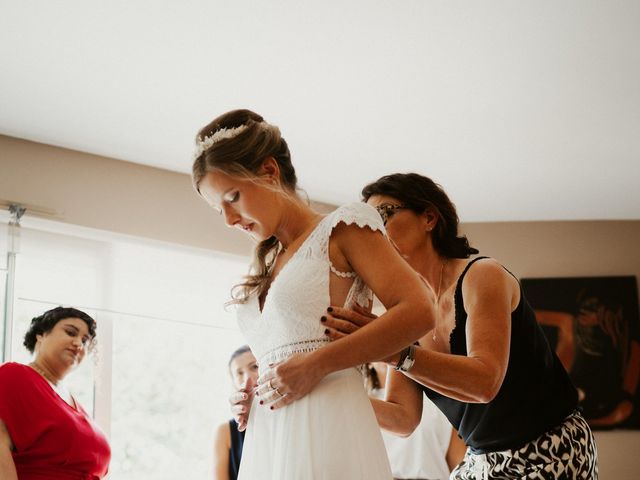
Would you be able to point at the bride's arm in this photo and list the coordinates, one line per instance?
(409, 315)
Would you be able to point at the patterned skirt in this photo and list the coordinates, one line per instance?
(565, 452)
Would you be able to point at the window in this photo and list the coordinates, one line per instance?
(159, 383)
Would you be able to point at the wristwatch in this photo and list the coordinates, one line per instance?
(407, 359)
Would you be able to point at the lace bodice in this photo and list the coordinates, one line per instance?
(299, 295)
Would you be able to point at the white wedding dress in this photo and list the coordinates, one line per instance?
(332, 433)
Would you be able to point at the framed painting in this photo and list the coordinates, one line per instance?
(593, 324)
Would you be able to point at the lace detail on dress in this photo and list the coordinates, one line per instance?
(341, 274)
(285, 351)
(290, 319)
(360, 214)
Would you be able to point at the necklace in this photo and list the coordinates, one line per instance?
(435, 328)
(35, 366)
(58, 387)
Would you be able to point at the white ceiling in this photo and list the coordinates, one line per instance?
(522, 110)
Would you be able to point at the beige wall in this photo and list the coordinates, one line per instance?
(561, 249)
(106, 194)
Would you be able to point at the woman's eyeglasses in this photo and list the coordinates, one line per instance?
(388, 210)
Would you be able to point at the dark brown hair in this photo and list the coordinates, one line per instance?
(45, 323)
(421, 194)
(238, 352)
(242, 156)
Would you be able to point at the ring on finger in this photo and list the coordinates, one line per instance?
(278, 392)
(270, 385)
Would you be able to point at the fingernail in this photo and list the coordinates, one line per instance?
(323, 319)
(329, 309)
(271, 407)
(326, 331)
(261, 402)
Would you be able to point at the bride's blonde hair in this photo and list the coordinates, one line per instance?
(241, 155)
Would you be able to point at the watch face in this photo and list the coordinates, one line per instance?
(407, 359)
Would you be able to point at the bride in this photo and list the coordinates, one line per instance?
(305, 262)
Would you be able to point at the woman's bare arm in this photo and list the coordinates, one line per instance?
(456, 450)
(7, 466)
(221, 446)
(490, 295)
(401, 410)
(409, 313)
(409, 316)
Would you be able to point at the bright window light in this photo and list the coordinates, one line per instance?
(159, 384)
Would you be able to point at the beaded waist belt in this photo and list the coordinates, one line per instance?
(283, 352)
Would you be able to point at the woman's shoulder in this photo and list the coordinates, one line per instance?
(222, 434)
(357, 213)
(478, 268)
(15, 376)
(13, 370)
(485, 274)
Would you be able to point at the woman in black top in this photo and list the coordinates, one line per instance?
(486, 364)
(229, 436)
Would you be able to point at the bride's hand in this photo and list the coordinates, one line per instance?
(288, 381)
(340, 322)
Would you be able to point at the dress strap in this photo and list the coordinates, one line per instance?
(457, 340)
(464, 272)
(362, 214)
(358, 213)
(458, 291)
(341, 274)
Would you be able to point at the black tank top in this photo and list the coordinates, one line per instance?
(536, 393)
(235, 452)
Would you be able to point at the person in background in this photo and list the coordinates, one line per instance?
(44, 432)
(431, 451)
(486, 364)
(227, 446)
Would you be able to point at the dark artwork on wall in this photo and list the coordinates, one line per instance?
(594, 326)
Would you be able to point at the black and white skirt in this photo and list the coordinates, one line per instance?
(566, 452)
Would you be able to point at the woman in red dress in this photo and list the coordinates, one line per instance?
(44, 432)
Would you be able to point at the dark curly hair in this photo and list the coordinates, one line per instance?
(45, 323)
(420, 193)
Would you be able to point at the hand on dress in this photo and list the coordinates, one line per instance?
(340, 322)
(241, 403)
(288, 381)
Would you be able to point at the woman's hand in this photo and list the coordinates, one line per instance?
(340, 322)
(288, 381)
(241, 404)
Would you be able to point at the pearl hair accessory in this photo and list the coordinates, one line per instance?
(222, 134)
